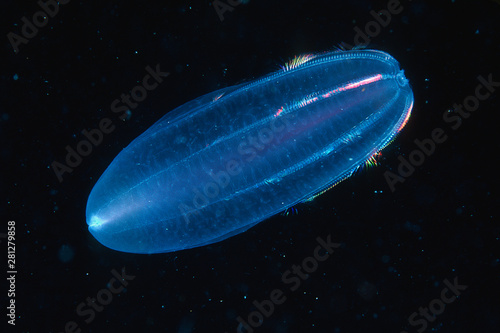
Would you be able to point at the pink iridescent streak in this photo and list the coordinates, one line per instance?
(279, 112)
(325, 116)
(354, 85)
(407, 117)
(350, 86)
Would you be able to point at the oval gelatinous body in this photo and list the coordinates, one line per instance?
(218, 165)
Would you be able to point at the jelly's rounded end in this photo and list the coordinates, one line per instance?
(401, 79)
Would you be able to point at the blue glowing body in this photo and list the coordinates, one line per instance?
(220, 164)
